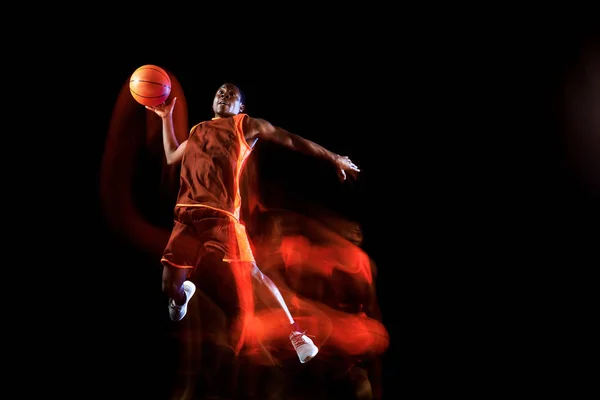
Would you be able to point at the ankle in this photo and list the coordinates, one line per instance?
(180, 299)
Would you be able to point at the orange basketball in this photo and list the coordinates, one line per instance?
(150, 85)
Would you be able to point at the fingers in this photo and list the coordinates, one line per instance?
(353, 166)
(346, 165)
(350, 164)
(353, 173)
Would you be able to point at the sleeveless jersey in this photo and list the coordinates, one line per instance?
(212, 165)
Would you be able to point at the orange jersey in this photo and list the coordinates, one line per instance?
(212, 165)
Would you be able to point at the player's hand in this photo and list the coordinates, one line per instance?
(346, 168)
(163, 110)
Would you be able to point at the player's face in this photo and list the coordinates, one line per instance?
(227, 101)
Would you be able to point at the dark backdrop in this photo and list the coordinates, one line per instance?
(473, 201)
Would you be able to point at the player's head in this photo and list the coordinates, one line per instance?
(229, 100)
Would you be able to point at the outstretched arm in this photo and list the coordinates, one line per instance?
(263, 129)
(173, 149)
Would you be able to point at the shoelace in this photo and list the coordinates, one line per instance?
(298, 339)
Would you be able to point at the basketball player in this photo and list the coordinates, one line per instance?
(207, 227)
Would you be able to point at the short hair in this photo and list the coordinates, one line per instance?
(242, 94)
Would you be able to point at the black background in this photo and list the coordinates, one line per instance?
(472, 206)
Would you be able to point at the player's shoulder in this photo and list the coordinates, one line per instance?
(252, 120)
(244, 119)
(242, 116)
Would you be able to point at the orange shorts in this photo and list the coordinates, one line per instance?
(199, 232)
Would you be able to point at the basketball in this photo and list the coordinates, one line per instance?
(150, 85)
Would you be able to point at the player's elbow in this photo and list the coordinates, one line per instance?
(175, 155)
(172, 159)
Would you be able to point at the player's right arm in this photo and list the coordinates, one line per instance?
(173, 149)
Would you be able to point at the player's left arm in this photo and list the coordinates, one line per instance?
(262, 129)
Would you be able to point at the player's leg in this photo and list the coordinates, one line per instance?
(304, 346)
(240, 245)
(178, 289)
(266, 287)
(178, 260)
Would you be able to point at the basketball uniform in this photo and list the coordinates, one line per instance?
(207, 212)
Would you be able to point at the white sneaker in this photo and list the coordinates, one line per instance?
(176, 313)
(304, 346)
